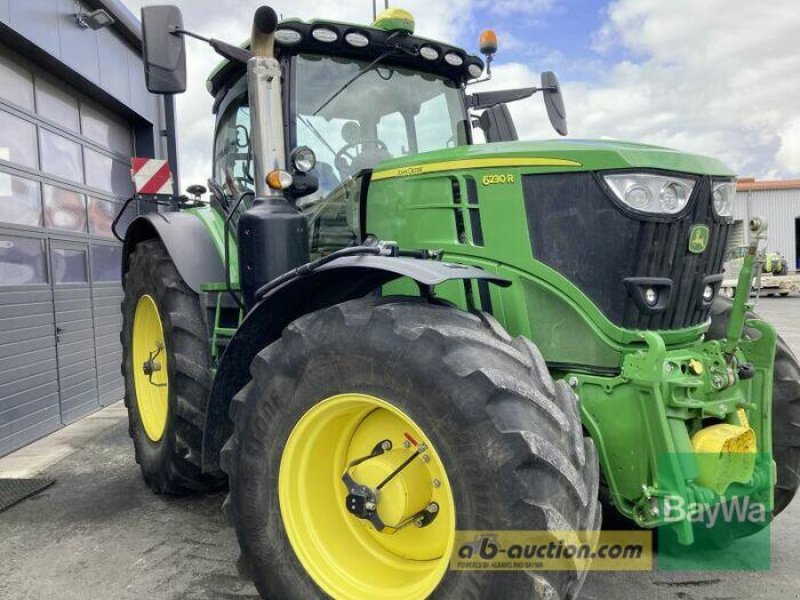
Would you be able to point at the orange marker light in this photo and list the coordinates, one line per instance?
(488, 42)
(279, 180)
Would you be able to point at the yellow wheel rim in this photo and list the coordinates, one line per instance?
(346, 555)
(150, 378)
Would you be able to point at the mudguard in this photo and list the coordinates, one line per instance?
(187, 240)
(340, 280)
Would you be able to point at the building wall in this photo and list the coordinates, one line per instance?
(781, 208)
(105, 59)
(73, 110)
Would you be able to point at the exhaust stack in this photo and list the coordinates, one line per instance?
(273, 235)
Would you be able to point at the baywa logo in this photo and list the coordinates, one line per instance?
(739, 509)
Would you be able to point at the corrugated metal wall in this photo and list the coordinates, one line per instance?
(781, 208)
(29, 400)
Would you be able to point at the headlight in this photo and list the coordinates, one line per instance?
(323, 34)
(359, 40)
(475, 70)
(429, 53)
(303, 159)
(655, 194)
(453, 59)
(288, 37)
(723, 194)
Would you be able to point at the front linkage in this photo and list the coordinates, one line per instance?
(688, 427)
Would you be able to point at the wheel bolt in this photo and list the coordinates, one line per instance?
(426, 458)
(406, 444)
(370, 505)
(436, 483)
(433, 507)
(386, 445)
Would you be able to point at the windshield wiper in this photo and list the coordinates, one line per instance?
(316, 133)
(347, 83)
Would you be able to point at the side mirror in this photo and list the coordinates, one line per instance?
(554, 102)
(164, 50)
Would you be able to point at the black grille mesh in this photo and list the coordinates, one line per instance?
(580, 232)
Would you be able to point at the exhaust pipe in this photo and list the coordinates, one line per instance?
(266, 114)
(262, 42)
(273, 235)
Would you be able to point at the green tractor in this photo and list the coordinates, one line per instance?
(379, 333)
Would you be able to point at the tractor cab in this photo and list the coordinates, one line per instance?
(352, 97)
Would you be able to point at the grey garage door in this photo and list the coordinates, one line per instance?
(29, 401)
(64, 174)
(72, 304)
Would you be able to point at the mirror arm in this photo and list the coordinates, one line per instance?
(229, 51)
(482, 100)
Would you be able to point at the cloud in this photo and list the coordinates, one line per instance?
(504, 8)
(714, 77)
(788, 155)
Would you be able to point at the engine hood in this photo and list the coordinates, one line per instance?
(553, 155)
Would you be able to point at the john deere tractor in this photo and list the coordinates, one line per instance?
(379, 332)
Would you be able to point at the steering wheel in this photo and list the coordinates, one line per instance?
(344, 158)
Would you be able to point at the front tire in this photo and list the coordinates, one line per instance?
(506, 440)
(163, 326)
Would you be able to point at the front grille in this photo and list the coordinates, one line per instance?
(579, 231)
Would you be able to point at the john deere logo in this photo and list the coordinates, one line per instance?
(698, 239)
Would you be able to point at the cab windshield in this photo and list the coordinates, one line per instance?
(386, 113)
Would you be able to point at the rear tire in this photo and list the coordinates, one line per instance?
(172, 463)
(785, 407)
(509, 438)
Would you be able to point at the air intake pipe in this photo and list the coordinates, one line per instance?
(273, 235)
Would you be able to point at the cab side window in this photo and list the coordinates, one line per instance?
(233, 160)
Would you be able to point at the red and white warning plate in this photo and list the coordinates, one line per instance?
(151, 176)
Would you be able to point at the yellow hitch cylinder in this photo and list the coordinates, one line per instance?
(725, 454)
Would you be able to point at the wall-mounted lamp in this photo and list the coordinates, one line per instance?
(97, 19)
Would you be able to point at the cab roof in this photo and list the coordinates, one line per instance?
(409, 55)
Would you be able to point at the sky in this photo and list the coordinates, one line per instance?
(716, 77)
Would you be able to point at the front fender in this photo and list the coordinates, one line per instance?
(187, 240)
(338, 281)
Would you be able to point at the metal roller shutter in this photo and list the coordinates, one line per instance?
(64, 173)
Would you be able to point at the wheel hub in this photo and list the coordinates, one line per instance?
(150, 378)
(367, 508)
(399, 488)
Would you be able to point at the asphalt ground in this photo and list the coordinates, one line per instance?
(100, 534)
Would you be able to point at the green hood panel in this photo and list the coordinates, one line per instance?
(580, 155)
